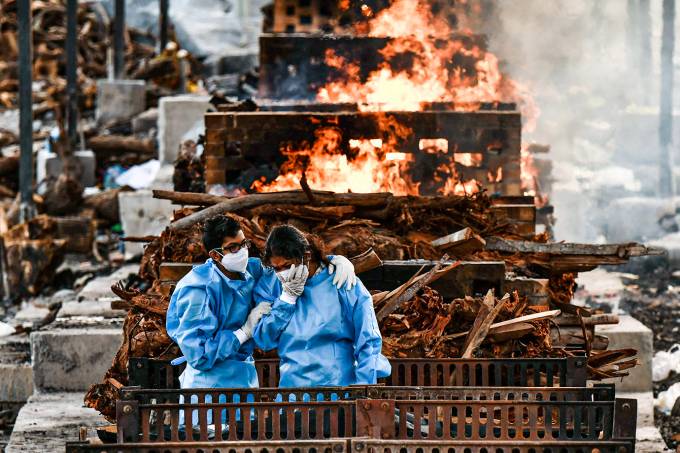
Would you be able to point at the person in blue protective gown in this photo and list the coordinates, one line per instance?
(325, 336)
(211, 314)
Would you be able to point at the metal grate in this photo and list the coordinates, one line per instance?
(600, 392)
(203, 420)
(159, 374)
(235, 421)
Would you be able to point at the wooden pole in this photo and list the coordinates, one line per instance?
(71, 75)
(119, 39)
(162, 25)
(27, 209)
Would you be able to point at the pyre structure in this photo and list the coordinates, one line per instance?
(442, 143)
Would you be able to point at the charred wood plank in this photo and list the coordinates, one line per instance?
(621, 251)
(460, 243)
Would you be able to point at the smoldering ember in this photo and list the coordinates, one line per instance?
(303, 226)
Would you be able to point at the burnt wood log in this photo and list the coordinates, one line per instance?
(120, 144)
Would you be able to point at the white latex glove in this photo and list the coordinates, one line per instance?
(293, 281)
(344, 272)
(246, 331)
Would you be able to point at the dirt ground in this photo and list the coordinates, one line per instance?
(654, 300)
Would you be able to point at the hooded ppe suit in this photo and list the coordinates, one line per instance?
(329, 337)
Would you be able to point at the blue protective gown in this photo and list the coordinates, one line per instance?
(329, 337)
(205, 308)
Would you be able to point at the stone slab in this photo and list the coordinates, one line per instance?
(49, 164)
(16, 382)
(72, 359)
(119, 100)
(141, 215)
(176, 116)
(48, 421)
(631, 333)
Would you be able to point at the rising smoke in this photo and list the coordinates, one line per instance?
(593, 69)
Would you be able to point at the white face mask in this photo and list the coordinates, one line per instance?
(236, 262)
(283, 275)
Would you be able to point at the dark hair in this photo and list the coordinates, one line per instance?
(289, 242)
(216, 229)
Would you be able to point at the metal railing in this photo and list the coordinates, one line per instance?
(569, 372)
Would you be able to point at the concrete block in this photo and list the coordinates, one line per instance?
(176, 116)
(141, 214)
(631, 333)
(119, 100)
(72, 359)
(16, 382)
(145, 121)
(49, 164)
(48, 421)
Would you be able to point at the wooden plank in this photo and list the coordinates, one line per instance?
(594, 320)
(480, 329)
(566, 248)
(520, 212)
(503, 324)
(511, 332)
(460, 243)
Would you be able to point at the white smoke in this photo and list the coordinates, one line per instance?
(599, 107)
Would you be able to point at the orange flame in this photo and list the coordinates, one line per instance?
(369, 166)
(442, 67)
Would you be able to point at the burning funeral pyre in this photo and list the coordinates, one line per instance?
(401, 141)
